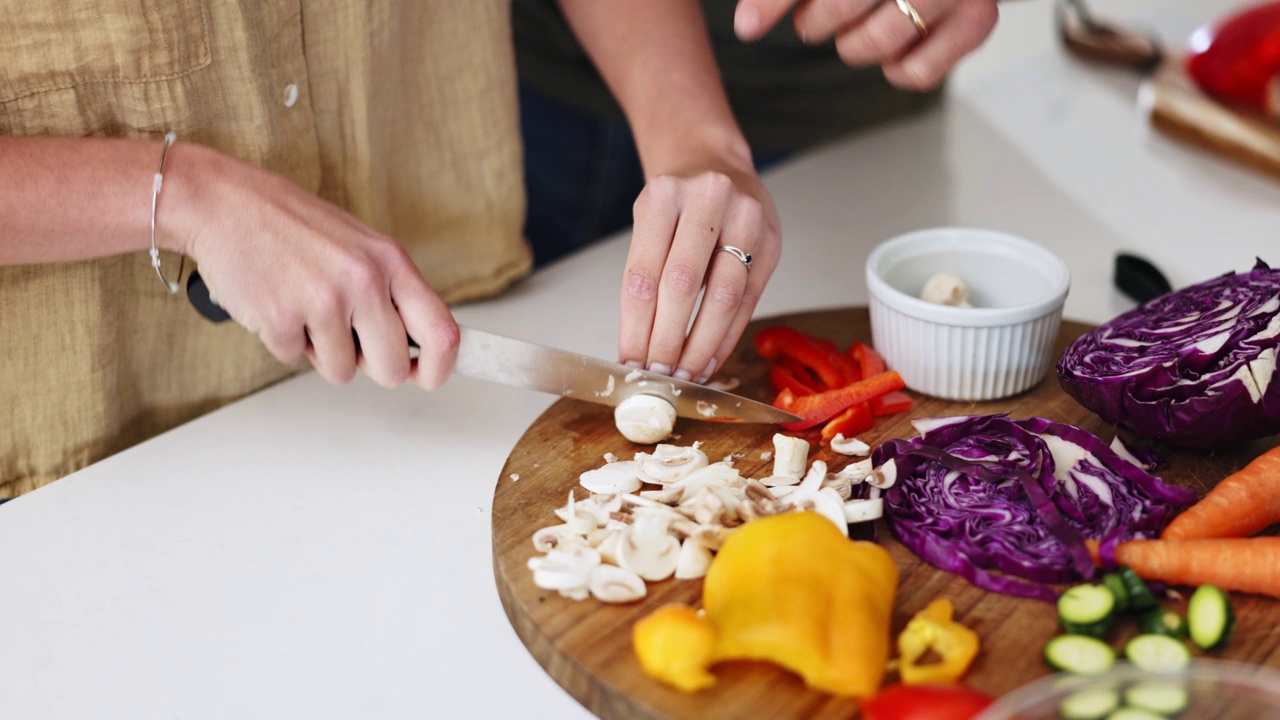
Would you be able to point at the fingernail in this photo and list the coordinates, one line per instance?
(634, 364)
(660, 368)
(684, 375)
(746, 22)
(703, 380)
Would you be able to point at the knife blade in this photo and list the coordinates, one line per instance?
(497, 358)
(519, 363)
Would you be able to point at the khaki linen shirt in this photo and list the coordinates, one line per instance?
(402, 112)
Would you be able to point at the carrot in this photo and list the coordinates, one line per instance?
(1249, 565)
(1243, 503)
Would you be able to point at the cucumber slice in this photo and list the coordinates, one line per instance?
(1086, 605)
(1159, 621)
(1167, 697)
(1133, 713)
(1140, 596)
(1157, 653)
(1079, 654)
(1115, 584)
(1210, 618)
(1089, 704)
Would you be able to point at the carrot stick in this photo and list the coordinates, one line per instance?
(1249, 565)
(1243, 503)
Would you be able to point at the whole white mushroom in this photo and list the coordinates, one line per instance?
(645, 419)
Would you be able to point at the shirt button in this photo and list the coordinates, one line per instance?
(290, 95)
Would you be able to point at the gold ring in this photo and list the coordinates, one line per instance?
(909, 10)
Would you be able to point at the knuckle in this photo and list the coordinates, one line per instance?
(713, 185)
(880, 39)
(921, 75)
(725, 295)
(365, 278)
(682, 279)
(661, 190)
(640, 284)
(665, 349)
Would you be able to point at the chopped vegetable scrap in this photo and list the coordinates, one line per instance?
(925, 702)
(932, 631)
(1241, 504)
(788, 589)
(1195, 367)
(842, 391)
(1008, 503)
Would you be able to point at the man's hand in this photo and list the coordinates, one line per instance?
(303, 274)
(870, 32)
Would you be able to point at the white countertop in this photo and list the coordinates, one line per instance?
(324, 552)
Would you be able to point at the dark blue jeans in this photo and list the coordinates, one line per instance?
(582, 175)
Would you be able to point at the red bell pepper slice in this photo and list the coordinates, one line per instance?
(867, 358)
(857, 419)
(782, 377)
(890, 403)
(823, 406)
(780, 340)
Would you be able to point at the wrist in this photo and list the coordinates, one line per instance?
(185, 165)
(706, 145)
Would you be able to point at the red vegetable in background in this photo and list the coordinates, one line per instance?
(925, 702)
(1237, 60)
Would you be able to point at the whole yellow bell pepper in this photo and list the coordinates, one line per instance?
(793, 590)
(933, 629)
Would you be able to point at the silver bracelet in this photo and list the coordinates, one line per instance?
(173, 286)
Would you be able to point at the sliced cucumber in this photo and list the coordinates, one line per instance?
(1087, 610)
(1115, 584)
(1089, 704)
(1079, 654)
(1210, 618)
(1133, 713)
(1167, 697)
(1157, 653)
(1159, 621)
(1140, 596)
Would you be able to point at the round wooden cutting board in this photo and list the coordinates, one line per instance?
(586, 645)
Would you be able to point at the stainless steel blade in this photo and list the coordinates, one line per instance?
(524, 364)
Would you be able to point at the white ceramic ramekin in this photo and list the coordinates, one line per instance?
(999, 347)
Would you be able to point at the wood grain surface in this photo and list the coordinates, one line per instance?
(586, 645)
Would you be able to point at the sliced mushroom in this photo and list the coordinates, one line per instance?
(717, 475)
(825, 502)
(648, 550)
(670, 463)
(608, 547)
(780, 480)
(668, 495)
(645, 419)
(884, 476)
(849, 446)
(612, 584)
(840, 483)
(791, 455)
(856, 472)
(694, 560)
(814, 478)
(856, 511)
(565, 571)
(555, 536)
(615, 477)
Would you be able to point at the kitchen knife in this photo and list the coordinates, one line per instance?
(518, 363)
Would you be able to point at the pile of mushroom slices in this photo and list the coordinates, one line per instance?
(664, 514)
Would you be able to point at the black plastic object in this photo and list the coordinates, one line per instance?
(1139, 279)
(202, 301)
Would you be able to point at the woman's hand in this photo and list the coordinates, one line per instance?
(303, 274)
(870, 32)
(682, 220)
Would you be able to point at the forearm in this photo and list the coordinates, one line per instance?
(67, 199)
(656, 58)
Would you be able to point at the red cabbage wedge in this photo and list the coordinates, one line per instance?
(1007, 504)
(1193, 368)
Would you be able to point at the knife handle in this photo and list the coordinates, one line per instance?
(200, 298)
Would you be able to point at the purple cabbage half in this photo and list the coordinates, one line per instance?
(1007, 504)
(1193, 368)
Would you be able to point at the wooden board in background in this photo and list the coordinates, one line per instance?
(586, 645)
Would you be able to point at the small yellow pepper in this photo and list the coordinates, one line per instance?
(675, 644)
(793, 590)
(933, 629)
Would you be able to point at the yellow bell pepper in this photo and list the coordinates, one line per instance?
(793, 590)
(933, 629)
(675, 644)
